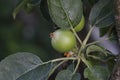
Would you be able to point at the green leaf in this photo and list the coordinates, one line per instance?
(99, 53)
(107, 31)
(76, 76)
(71, 67)
(26, 5)
(45, 11)
(64, 75)
(30, 5)
(15, 65)
(39, 72)
(113, 36)
(96, 73)
(102, 14)
(96, 48)
(105, 21)
(67, 75)
(20, 6)
(65, 12)
(103, 31)
(24, 66)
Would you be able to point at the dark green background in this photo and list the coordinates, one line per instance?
(27, 33)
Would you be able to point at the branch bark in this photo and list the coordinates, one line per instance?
(117, 17)
(116, 71)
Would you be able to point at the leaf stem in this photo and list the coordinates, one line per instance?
(80, 41)
(85, 41)
(53, 70)
(88, 35)
(78, 63)
(85, 61)
(60, 59)
(98, 41)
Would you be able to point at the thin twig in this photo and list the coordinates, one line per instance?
(78, 63)
(53, 70)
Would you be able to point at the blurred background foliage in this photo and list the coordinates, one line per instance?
(27, 33)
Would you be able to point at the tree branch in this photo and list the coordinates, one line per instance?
(117, 17)
(116, 71)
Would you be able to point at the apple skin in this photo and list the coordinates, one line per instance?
(81, 24)
(63, 40)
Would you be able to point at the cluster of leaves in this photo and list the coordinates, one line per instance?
(27, 66)
(65, 14)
